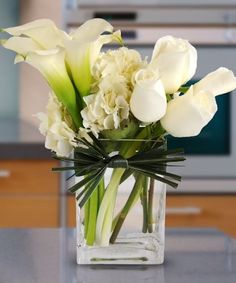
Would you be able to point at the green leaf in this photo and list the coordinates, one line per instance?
(91, 148)
(82, 183)
(160, 172)
(184, 89)
(86, 153)
(87, 170)
(60, 169)
(157, 160)
(92, 187)
(156, 153)
(154, 176)
(128, 130)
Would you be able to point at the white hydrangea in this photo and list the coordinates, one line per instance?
(56, 127)
(108, 106)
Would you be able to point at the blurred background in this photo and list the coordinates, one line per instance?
(32, 196)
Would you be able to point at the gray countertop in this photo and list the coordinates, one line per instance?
(20, 140)
(49, 255)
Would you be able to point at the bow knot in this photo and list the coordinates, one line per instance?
(118, 161)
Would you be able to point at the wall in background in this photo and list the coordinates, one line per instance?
(9, 94)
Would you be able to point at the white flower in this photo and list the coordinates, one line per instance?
(187, 114)
(83, 49)
(148, 101)
(43, 32)
(57, 127)
(175, 60)
(112, 88)
(52, 66)
(40, 34)
(218, 82)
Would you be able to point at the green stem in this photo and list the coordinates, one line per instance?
(106, 209)
(101, 191)
(93, 208)
(144, 200)
(150, 205)
(133, 195)
(86, 217)
(118, 214)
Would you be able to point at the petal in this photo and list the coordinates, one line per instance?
(64, 148)
(19, 58)
(44, 122)
(171, 67)
(148, 101)
(109, 122)
(81, 57)
(78, 61)
(50, 142)
(52, 66)
(91, 29)
(21, 45)
(176, 61)
(19, 30)
(43, 31)
(218, 82)
(97, 45)
(186, 115)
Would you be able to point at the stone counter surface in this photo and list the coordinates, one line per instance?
(49, 256)
(19, 140)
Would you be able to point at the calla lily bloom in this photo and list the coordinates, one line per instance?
(83, 50)
(43, 32)
(51, 64)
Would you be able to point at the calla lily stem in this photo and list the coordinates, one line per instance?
(133, 195)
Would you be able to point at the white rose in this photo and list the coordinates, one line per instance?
(148, 101)
(175, 60)
(186, 115)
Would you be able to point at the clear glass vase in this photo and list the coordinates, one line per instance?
(123, 223)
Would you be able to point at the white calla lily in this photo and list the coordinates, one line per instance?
(84, 48)
(175, 60)
(43, 31)
(77, 60)
(186, 115)
(148, 101)
(218, 82)
(51, 64)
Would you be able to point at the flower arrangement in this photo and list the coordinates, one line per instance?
(114, 109)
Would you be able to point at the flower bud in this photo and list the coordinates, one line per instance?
(175, 60)
(148, 101)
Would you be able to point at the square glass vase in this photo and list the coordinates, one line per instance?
(123, 222)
